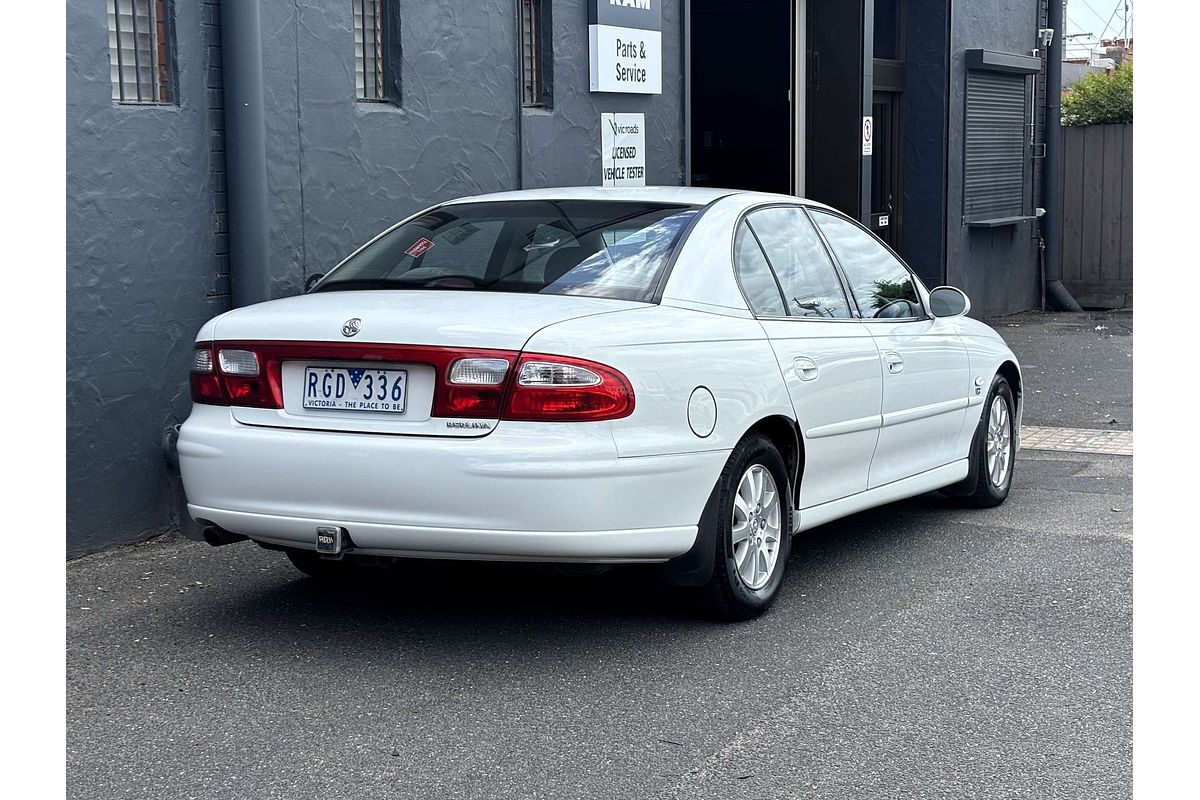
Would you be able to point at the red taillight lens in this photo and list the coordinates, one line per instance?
(206, 384)
(251, 392)
(226, 376)
(556, 388)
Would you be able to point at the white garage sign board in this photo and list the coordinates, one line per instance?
(623, 149)
(625, 46)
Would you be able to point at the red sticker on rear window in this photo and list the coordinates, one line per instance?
(419, 247)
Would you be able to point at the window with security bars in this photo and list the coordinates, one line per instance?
(996, 154)
(139, 51)
(369, 49)
(536, 53)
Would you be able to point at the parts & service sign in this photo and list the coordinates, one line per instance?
(625, 41)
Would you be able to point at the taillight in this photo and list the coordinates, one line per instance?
(475, 388)
(478, 383)
(206, 384)
(556, 388)
(232, 377)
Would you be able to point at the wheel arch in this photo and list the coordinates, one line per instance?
(1012, 373)
(694, 567)
(784, 432)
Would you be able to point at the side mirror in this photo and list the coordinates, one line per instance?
(312, 280)
(947, 301)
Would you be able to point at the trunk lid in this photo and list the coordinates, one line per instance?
(478, 321)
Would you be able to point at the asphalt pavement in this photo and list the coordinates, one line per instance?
(1077, 368)
(919, 650)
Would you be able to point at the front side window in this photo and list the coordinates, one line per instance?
(794, 251)
(612, 249)
(138, 51)
(880, 283)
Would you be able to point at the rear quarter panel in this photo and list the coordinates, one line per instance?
(667, 353)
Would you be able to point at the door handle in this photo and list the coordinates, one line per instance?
(894, 361)
(806, 368)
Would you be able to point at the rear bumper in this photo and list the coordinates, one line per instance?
(527, 491)
(617, 546)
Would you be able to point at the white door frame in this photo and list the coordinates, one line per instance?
(799, 92)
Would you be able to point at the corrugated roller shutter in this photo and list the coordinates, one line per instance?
(994, 182)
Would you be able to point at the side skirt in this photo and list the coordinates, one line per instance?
(881, 495)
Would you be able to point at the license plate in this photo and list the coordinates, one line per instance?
(355, 389)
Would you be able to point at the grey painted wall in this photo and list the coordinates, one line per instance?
(140, 265)
(562, 146)
(339, 170)
(997, 268)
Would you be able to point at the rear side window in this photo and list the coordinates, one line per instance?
(882, 285)
(758, 284)
(794, 251)
(612, 249)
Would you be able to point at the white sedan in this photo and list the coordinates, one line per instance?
(680, 376)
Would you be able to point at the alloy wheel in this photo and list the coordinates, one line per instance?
(757, 525)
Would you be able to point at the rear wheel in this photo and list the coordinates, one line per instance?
(311, 564)
(754, 530)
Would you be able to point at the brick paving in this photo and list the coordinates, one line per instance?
(1077, 440)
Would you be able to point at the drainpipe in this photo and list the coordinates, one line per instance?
(1057, 294)
(520, 98)
(245, 150)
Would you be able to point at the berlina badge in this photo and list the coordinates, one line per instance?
(351, 327)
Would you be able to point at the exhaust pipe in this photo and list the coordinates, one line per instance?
(217, 536)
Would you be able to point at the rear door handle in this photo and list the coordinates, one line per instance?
(806, 368)
(894, 361)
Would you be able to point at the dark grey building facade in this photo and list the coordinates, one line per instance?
(361, 123)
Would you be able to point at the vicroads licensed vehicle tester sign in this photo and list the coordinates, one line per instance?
(623, 146)
(625, 38)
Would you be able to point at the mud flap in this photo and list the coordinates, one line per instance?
(695, 567)
(967, 485)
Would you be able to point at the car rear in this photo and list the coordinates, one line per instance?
(399, 406)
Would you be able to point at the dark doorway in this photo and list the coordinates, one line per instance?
(837, 106)
(741, 98)
(887, 190)
(885, 168)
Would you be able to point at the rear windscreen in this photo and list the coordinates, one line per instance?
(595, 248)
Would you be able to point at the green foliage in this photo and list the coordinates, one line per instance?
(888, 292)
(1100, 99)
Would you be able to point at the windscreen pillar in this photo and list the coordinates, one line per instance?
(245, 150)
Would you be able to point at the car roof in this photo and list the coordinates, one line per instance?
(691, 195)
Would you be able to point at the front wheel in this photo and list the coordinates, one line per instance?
(754, 530)
(997, 449)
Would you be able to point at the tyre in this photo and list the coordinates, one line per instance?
(311, 564)
(754, 534)
(994, 448)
